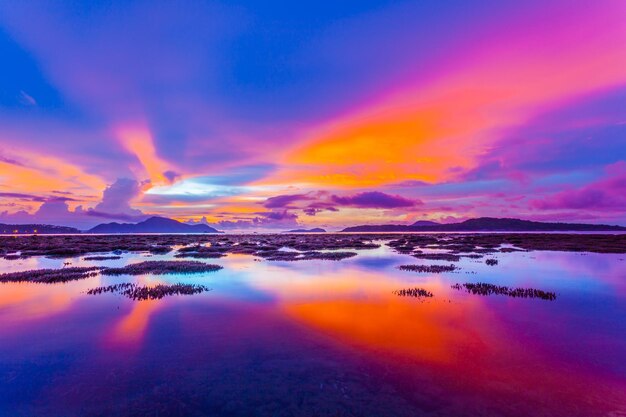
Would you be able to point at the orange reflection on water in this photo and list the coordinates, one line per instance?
(313, 284)
(435, 331)
(460, 337)
(357, 307)
(131, 329)
(21, 301)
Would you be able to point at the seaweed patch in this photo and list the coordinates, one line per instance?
(413, 292)
(146, 292)
(163, 267)
(51, 276)
(430, 269)
(481, 288)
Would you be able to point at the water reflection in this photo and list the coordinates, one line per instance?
(22, 302)
(130, 330)
(321, 335)
(423, 330)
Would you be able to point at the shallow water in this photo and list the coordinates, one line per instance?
(324, 338)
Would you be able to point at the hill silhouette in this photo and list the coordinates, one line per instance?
(39, 229)
(488, 224)
(152, 225)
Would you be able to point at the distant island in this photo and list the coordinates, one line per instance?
(152, 225)
(29, 229)
(314, 230)
(487, 224)
(165, 225)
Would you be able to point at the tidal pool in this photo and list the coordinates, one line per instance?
(320, 338)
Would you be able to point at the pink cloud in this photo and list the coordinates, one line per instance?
(608, 194)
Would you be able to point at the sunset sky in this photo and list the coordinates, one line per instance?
(272, 115)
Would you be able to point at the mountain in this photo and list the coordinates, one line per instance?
(153, 225)
(40, 229)
(489, 224)
(314, 230)
(423, 223)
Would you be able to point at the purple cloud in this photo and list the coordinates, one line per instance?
(264, 220)
(375, 199)
(116, 198)
(35, 198)
(320, 201)
(23, 197)
(54, 212)
(582, 134)
(11, 161)
(314, 208)
(284, 201)
(607, 194)
(115, 205)
(116, 216)
(279, 215)
(171, 176)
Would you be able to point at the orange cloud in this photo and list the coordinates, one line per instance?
(43, 174)
(432, 130)
(138, 141)
(393, 145)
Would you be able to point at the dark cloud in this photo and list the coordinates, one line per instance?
(284, 201)
(374, 199)
(171, 176)
(279, 215)
(34, 198)
(314, 208)
(315, 202)
(24, 197)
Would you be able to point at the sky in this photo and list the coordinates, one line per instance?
(272, 115)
